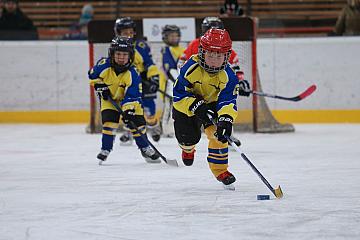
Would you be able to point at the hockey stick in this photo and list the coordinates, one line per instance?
(277, 191)
(171, 162)
(297, 98)
(165, 94)
(173, 74)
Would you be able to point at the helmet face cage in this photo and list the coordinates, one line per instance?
(211, 22)
(123, 23)
(208, 68)
(167, 30)
(121, 44)
(217, 41)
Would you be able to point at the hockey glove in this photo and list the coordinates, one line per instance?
(102, 90)
(224, 128)
(244, 89)
(202, 112)
(128, 115)
(153, 84)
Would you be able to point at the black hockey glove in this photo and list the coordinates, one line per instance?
(102, 90)
(202, 111)
(224, 128)
(244, 89)
(153, 84)
(128, 115)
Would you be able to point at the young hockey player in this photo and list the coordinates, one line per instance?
(149, 74)
(170, 55)
(206, 90)
(193, 47)
(115, 77)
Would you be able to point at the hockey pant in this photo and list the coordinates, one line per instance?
(110, 122)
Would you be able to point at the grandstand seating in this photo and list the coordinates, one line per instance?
(61, 14)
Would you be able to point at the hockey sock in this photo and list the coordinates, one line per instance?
(140, 142)
(108, 135)
(217, 153)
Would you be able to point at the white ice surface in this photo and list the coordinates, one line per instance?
(51, 187)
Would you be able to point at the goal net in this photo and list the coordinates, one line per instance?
(254, 113)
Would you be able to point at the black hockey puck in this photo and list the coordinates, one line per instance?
(263, 197)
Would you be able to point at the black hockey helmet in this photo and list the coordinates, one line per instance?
(123, 23)
(122, 44)
(167, 29)
(211, 22)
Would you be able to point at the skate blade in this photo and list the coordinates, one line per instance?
(100, 162)
(229, 187)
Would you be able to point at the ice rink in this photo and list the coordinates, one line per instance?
(51, 187)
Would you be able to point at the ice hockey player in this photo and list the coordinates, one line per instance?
(115, 77)
(170, 54)
(193, 47)
(207, 88)
(149, 74)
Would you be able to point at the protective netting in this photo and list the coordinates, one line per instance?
(262, 119)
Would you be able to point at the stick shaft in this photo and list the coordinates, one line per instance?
(247, 160)
(299, 97)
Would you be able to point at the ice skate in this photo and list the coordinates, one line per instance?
(150, 155)
(102, 156)
(126, 139)
(188, 158)
(227, 180)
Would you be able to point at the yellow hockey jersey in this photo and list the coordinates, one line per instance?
(143, 60)
(170, 56)
(124, 88)
(220, 88)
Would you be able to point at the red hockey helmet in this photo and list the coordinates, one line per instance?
(215, 40)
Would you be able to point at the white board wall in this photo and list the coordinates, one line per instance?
(41, 75)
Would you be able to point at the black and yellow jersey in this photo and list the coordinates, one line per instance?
(143, 60)
(194, 82)
(124, 88)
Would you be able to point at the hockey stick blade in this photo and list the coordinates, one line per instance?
(278, 192)
(297, 98)
(172, 162)
(307, 92)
